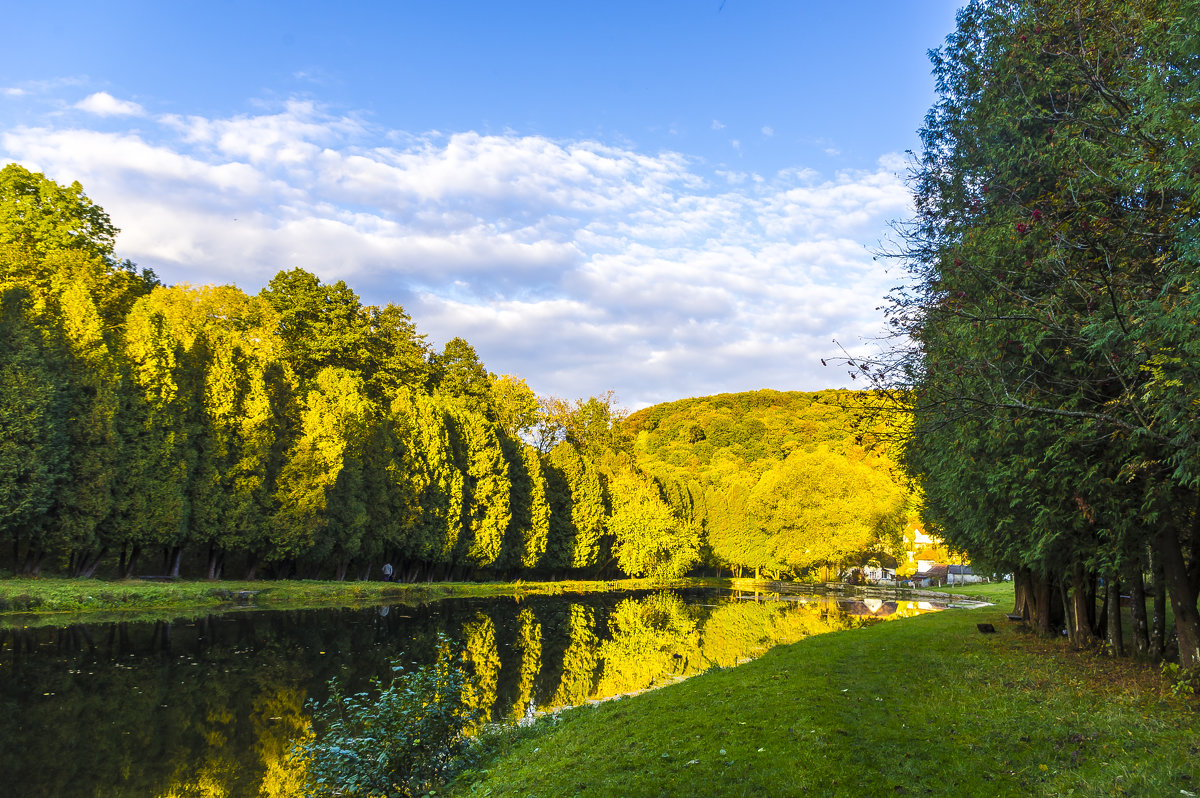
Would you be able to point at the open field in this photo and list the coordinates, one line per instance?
(924, 706)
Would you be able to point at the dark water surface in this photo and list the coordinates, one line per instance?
(212, 706)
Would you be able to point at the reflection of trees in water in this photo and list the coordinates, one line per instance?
(529, 643)
(741, 630)
(479, 647)
(280, 722)
(649, 639)
(579, 658)
(213, 706)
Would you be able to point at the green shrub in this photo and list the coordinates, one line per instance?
(399, 740)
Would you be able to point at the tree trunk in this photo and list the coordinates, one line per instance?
(1137, 609)
(1183, 599)
(1158, 626)
(1194, 554)
(214, 561)
(176, 559)
(252, 568)
(33, 562)
(1116, 638)
(1080, 614)
(343, 564)
(1041, 603)
(1022, 590)
(1091, 581)
(131, 563)
(88, 565)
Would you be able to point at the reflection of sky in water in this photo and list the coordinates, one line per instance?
(213, 705)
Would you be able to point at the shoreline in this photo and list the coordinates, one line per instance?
(42, 601)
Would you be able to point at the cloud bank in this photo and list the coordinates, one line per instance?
(577, 264)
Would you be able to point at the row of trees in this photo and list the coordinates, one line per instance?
(1053, 367)
(296, 429)
(299, 432)
(302, 431)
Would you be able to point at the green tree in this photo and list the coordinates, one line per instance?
(34, 456)
(436, 480)
(40, 215)
(322, 326)
(821, 509)
(320, 486)
(578, 510)
(397, 356)
(1054, 198)
(594, 425)
(648, 540)
(459, 374)
(487, 488)
(516, 404)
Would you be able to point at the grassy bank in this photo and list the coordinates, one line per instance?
(21, 598)
(924, 706)
(999, 593)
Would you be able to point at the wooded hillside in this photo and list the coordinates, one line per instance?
(784, 483)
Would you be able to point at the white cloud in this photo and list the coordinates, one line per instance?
(768, 131)
(104, 104)
(12, 91)
(718, 125)
(578, 264)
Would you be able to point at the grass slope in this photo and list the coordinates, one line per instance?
(923, 706)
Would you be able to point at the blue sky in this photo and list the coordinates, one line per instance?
(664, 198)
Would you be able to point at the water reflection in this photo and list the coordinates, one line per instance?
(213, 706)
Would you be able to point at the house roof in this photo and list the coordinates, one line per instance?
(935, 571)
(963, 570)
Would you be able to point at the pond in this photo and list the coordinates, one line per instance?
(212, 706)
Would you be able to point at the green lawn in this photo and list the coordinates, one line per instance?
(999, 593)
(923, 706)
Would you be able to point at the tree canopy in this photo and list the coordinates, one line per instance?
(1051, 311)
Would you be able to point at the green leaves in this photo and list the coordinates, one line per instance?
(42, 216)
(1054, 203)
(401, 740)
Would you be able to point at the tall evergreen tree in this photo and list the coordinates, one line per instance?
(1054, 198)
(34, 454)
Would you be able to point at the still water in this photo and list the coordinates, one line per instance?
(212, 706)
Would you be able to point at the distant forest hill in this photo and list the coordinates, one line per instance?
(148, 429)
(779, 483)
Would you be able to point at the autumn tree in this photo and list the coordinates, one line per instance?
(648, 539)
(821, 509)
